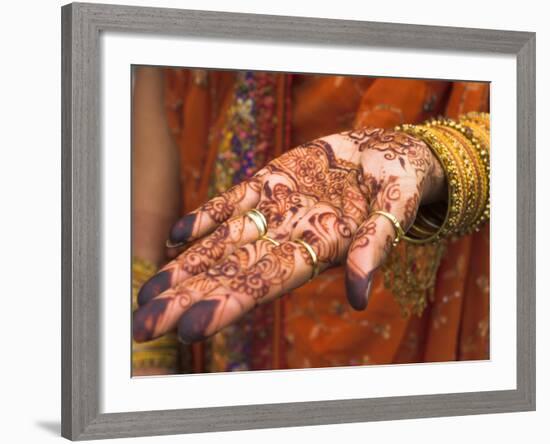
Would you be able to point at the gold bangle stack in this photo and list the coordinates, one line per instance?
(462, 147)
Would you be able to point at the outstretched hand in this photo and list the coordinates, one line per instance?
(322, 192)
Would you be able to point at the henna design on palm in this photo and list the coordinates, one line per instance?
(322, 192)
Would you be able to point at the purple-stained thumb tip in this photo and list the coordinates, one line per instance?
(358, 289)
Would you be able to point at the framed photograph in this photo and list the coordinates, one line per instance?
(275, 221)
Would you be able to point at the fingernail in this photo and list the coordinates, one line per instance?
(153, 287)
(194, 322)
(358, 289)
(183, 229)
(145, 319)
(170, 244)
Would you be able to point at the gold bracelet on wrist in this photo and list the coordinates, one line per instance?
(454, 184)
(475, 129)
(479, 123)
(470, 174)
(462, 148)
(481, 118)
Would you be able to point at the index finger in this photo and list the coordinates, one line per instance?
(200, 256)
(239, 198)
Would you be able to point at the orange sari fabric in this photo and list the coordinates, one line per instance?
(314, 326)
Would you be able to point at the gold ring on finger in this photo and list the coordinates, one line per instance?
(170, 244)
(313, 256)
(259, 220)
(270, 239)
(395, 222)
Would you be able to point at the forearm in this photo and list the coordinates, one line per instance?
(436, 184)
(155, 204)
(155, 168)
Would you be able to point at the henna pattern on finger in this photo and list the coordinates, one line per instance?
(203, 254)
(390, 192)
(359, 276)
(198, 258)
(198, 320)
(206, 252)
(363, 234)
(240, 259)
(280, 203)
(369, 185)
(329, 234)
(162, 313)
(217, 209)
(271, 270)
(355, 203)
(222, 207)
(227, 269)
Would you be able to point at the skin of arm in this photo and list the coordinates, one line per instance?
(155, 168)
(155, 175)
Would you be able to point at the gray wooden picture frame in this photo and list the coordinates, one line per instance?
(81, 232)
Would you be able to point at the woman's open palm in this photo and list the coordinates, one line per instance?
(322, 192)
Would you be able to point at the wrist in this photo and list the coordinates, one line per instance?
(463, 151)
(435, 184)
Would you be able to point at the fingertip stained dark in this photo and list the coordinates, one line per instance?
(194, 322)
(157, 284)
(182, 231)
(358, 289)
(145, 319)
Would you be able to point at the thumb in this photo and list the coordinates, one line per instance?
(367, 252)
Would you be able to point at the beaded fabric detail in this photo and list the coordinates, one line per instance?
(247, 136)
(246, 144)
